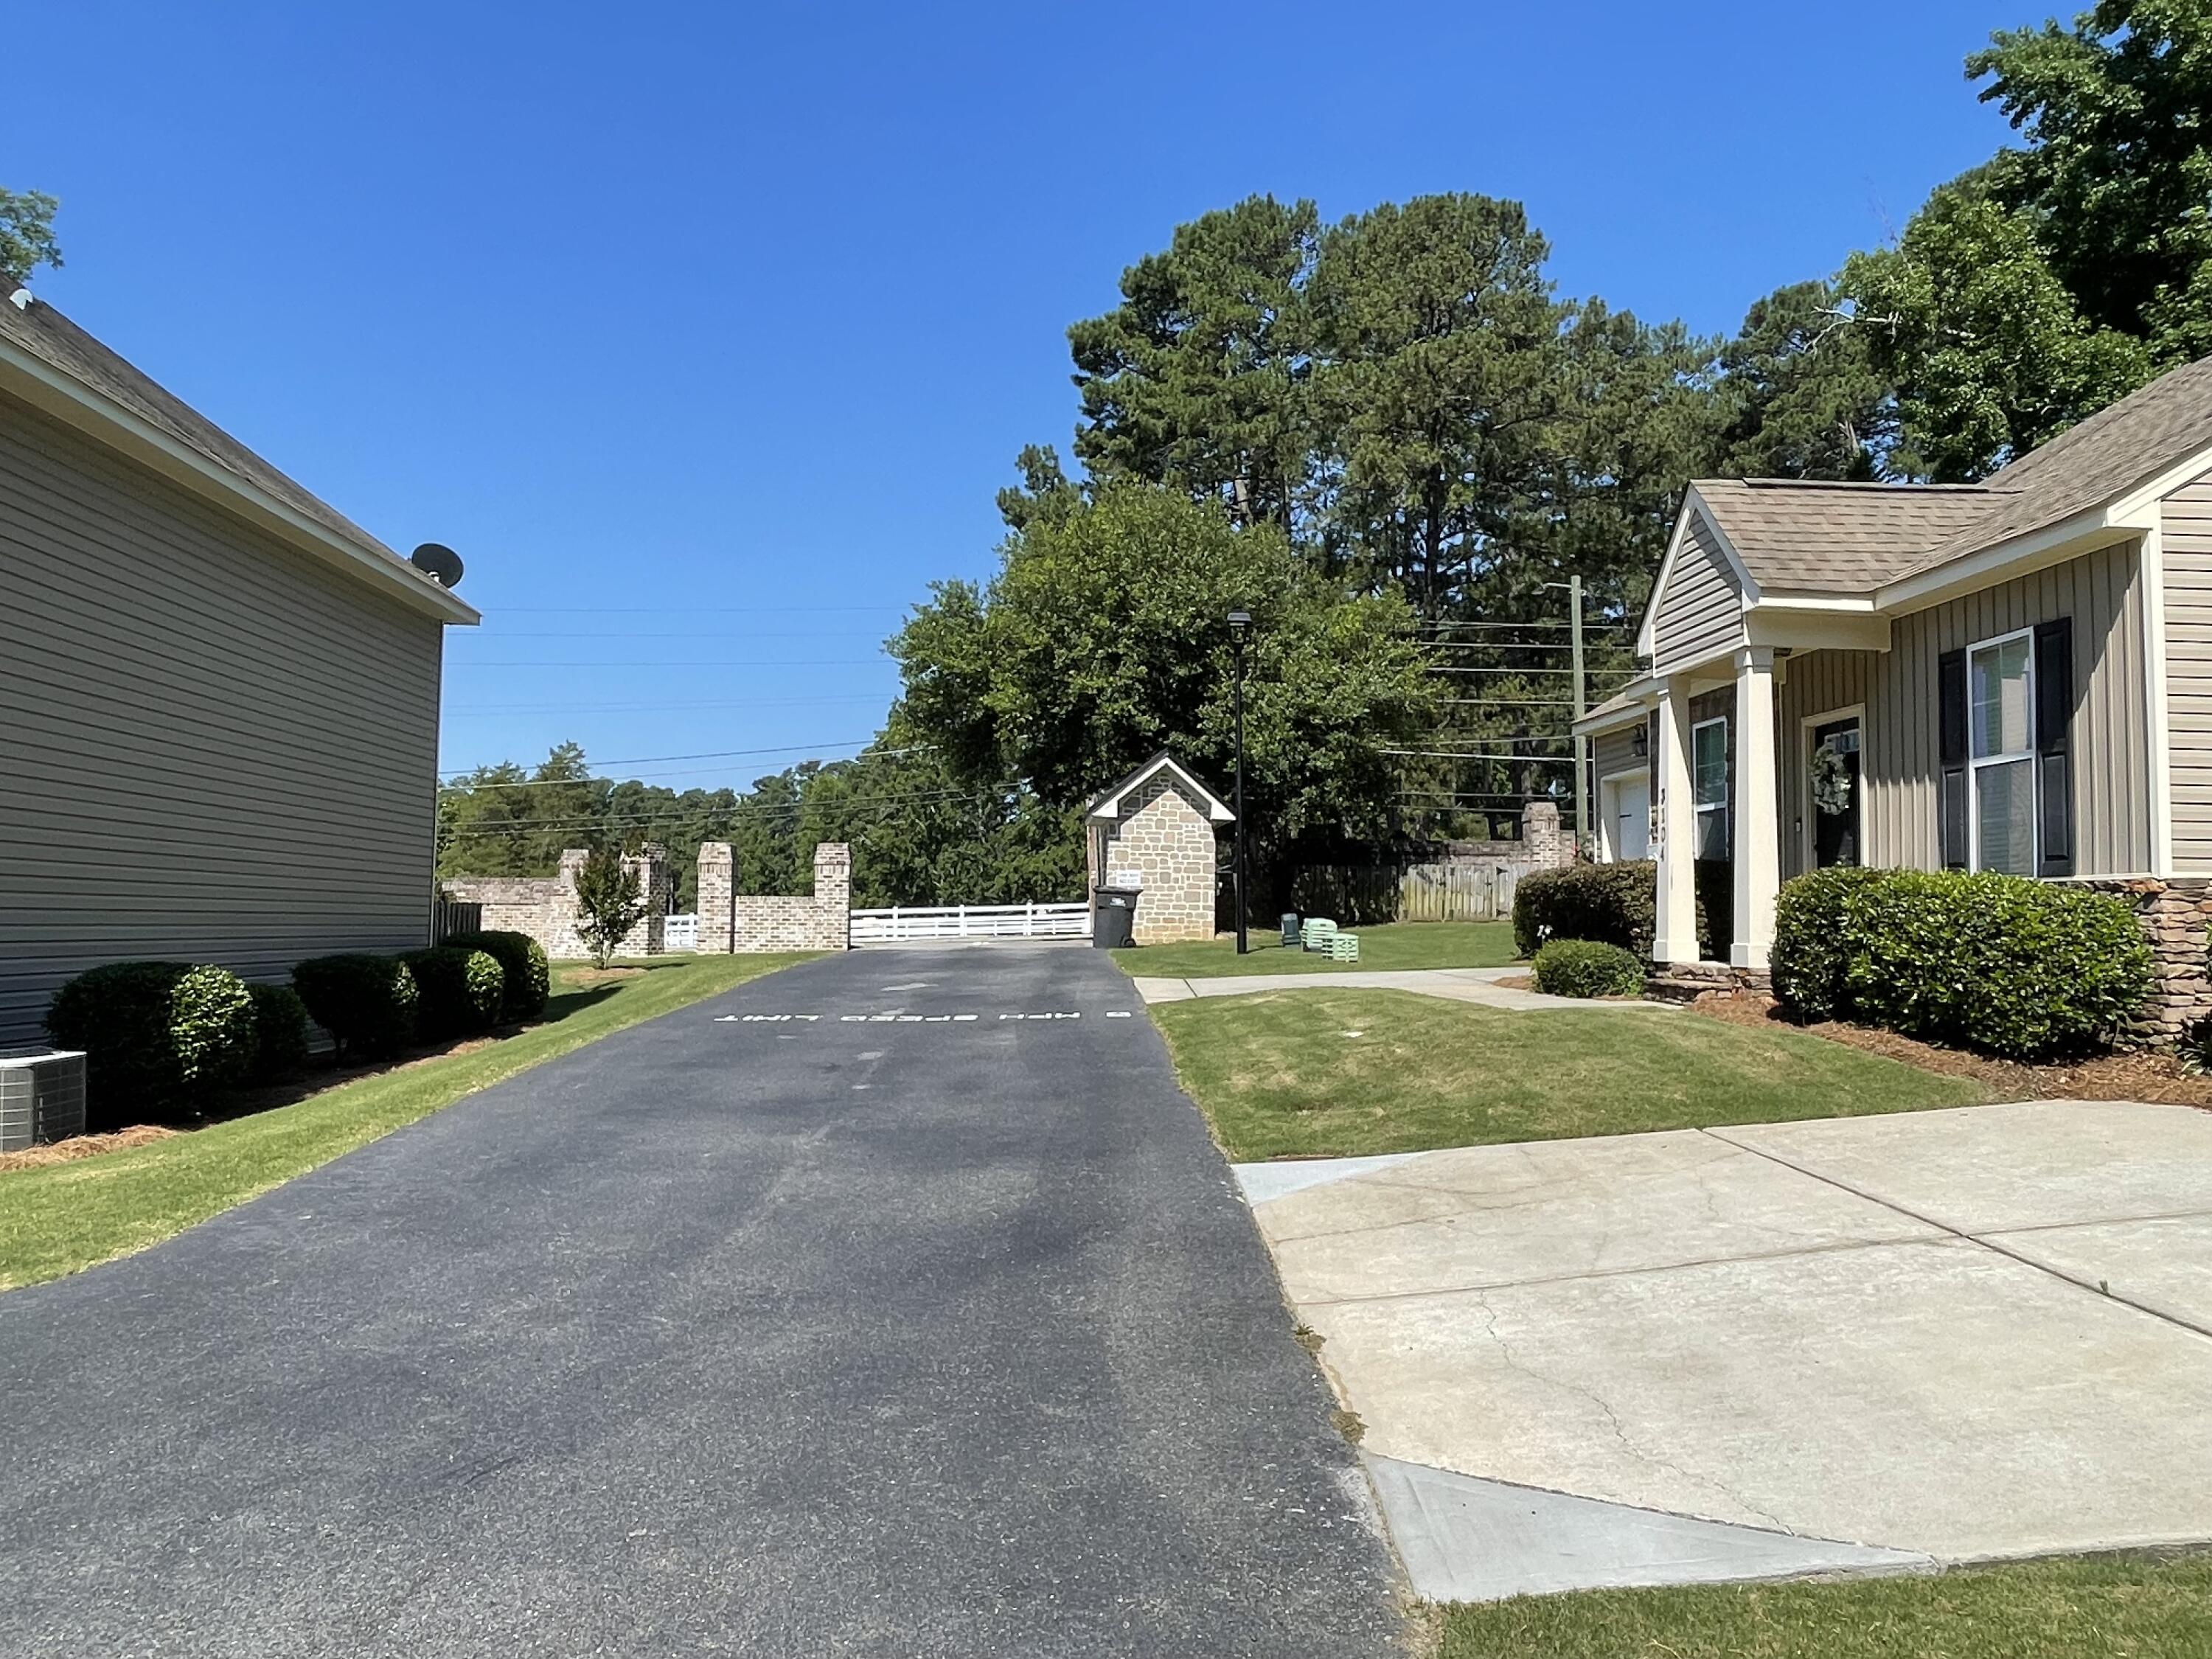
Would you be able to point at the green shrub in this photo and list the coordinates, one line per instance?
(1810, 958)
(365, 1003)
(280, 1024)
(522, 959)
(1613, 903)
(461, 991)
(1587, 968)
(154, 1035)
(2025, 970)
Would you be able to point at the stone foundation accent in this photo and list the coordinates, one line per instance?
(2172, 912)
(1686, 982)
(545, 907)
(748, 923)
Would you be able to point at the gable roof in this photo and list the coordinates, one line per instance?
(1108, 803)
(1835, 537)
(1804, 536)
(42, 333)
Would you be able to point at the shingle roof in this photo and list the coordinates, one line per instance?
(40, 330)
(1837, 538)
(1851, 538)
(2098, 461)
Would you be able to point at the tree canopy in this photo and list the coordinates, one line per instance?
(26, 236)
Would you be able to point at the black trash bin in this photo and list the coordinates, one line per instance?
(1114, 917)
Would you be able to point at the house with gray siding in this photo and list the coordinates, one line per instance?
(218, 695)
(2014, 675)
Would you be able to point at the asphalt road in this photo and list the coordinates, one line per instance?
(725, 1335)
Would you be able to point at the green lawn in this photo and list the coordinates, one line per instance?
(1402, 945)
(58, 1218)
(2079, 1609)
(1340, 1072)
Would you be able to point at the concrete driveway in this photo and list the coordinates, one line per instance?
(895, 1304)
(1864, 1343)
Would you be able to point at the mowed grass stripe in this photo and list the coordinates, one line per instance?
(1341, 1073)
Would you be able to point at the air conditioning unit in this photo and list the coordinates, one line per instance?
(41, 1098)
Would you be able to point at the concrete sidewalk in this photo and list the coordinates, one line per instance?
(1870, 1343)
(1476, 985)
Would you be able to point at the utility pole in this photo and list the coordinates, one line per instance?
(1582, 743)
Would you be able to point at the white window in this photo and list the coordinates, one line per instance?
(2001, 753)
(1708, 786)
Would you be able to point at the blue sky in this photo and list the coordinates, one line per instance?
(706, 333)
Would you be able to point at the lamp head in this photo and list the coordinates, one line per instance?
(1240, 623)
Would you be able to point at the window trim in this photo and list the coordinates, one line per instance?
(2030, 754)
(1699, 809)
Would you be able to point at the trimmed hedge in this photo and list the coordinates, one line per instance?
(1613, 903)
(461, 991)
(2020, 969)
(365, 1003)
(280, 1024)
(154, 1034)
(522, 959)
(1587, 968)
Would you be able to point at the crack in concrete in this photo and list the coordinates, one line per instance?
(1612, 1422)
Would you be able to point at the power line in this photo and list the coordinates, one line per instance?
(486, 711)
(680, 662)
(1467, 754)
(467, 787)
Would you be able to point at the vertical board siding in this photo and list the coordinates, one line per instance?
(1700, 611)
(211, 748)
(2102, 593)
(2186, 538)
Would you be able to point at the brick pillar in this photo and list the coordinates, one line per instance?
(562, 941)
(717, 898)
(1539, 834)
(649, 938)
(833, 894)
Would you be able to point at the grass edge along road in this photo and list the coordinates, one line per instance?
(2144, 1606)
(65, 1217)
(1341, 1073)
(1393, 948)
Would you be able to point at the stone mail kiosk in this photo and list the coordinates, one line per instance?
(1155, 830)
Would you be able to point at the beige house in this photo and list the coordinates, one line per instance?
(218, 697)
(1155, 830)
(2015, 674)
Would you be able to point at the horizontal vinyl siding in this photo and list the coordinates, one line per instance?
(2186, 538)
(1899, 755)
(1700, 611)
(1615, 751)
(209, 748)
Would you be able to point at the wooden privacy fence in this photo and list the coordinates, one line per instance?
(455, 916)
(1368, 895)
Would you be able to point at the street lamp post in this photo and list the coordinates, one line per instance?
(1240, 624)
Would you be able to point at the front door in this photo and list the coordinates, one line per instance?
(1631, 817)
(1833, 790)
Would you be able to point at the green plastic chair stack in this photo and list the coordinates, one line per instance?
(1317, 933)
(1344, 947)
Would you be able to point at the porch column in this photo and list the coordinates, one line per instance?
(1757, 837)
(1675, 939)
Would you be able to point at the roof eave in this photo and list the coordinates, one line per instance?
(108, 422)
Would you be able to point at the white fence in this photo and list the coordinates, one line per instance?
(681, 933)
(972, 922)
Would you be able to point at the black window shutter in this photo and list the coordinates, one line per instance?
(1951, 726)
(2054, 757)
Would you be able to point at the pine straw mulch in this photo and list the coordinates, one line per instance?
(77, 1146)
(2155, 1078)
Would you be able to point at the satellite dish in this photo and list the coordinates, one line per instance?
(439, 562)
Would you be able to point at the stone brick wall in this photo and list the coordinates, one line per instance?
(743, 923)
(545, 907)
(2173, 915)
(1164, 844)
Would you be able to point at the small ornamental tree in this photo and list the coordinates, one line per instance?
(609, 902)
